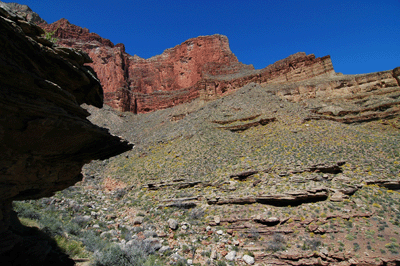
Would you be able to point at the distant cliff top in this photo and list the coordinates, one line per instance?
(23, 11)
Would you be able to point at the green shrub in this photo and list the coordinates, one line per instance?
(71, 247)
(277, 243)
(26, 210)
(136, 254)
(92, 241)
(48, 35)
(51, 225)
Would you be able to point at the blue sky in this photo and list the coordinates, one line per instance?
(361, 36)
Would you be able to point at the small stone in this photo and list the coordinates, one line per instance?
(173, 224)
(353, 261)
(220, 232)
(153, 242)
(164, 249)
(177, 257)
(231, 256)
(248, 259)
(213, 254)
(138, 220)
(338, 196)
(217, 219)
(189, 262)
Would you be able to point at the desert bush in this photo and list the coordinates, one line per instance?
(254, 234)
(92, 241)
(51, 225)
(196, 214)
(135, 254)
(80, 220)
(120, 193)
(312, 244)
(26, 210)
(277, 243)
(72, 228)
(72, 247)
(114, 255)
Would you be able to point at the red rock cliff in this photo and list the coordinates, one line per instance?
(199, 67)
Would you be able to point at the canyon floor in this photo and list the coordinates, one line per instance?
(249, 178)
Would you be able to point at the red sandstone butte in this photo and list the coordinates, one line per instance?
(199, 67)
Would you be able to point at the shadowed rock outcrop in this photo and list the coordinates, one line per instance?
(45, 138)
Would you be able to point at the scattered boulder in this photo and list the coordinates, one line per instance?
(231, 256)
(138, 220)
(173, 224)
(248, 259)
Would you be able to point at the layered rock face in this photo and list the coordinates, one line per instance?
(349, 98)
(200, 67)
(45, 136)
(204, 67)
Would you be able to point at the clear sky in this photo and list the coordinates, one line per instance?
(361, 36)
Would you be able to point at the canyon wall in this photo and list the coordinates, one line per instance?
(205, 68)
(200, 67)
(45, 138)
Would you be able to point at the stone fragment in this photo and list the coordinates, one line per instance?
(164, 249)
(138, 220)
(173, 224)
(153, 242)
(248, 259)
(213, 254)
(338, 196)
(231, 256)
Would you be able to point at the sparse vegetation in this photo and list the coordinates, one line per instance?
(177, 167)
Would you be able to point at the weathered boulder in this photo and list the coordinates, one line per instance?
(45, 138)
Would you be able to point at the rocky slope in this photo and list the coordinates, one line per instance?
(246, 179)
(45, 136)
(290, 165)
(284, 190)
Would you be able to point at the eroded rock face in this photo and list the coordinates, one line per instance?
(200, 67)
(45, 138)
(23, 11)
(349, 98)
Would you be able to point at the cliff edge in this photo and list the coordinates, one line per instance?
(45, 136)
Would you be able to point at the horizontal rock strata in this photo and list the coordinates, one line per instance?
(201, 67)
(282, 199)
